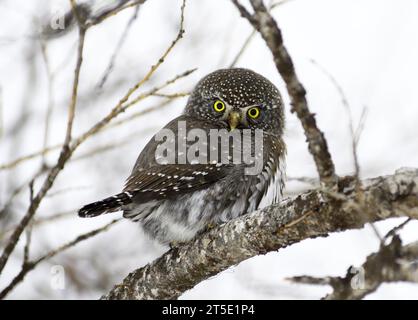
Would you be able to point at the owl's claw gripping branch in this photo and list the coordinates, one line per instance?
(265, 24)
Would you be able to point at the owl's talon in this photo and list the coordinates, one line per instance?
(210, 226)
(174, 244)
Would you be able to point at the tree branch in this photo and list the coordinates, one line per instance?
(309, 215)
(71, 145)
(65, 154)
(29, 265)
(265, 24)
(392, 263)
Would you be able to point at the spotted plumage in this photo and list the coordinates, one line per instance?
(175, 200)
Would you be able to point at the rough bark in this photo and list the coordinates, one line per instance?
(316, 213)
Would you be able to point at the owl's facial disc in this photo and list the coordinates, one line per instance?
(254, 99)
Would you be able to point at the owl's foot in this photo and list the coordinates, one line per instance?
(174, 244)
(210, 226)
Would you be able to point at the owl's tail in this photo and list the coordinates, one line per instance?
(110, 204)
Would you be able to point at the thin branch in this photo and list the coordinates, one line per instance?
(392, 263)
(20, 160)
(114, 11)
(152, 92)
(396, 229)
(172, 95)
(347, 107)
(53, 173)
(361, 124)
(28, 230)
(243, 48)
(354, 138)
(265, 24)
(118, 47)
(120, 108)
(68, 149)
(1, 113)
(43, 220)
(50, 105)
(30, 265)
(155, 90)
(88, 15)
(19, 189)
(308, 180)
(140, 113)
(272, 5)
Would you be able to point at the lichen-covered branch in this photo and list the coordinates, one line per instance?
(265, 24)
(309, 215)
(392, 263)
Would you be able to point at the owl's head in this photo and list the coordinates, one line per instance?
(237, 98)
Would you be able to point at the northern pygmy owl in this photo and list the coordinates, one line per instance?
(177, 191)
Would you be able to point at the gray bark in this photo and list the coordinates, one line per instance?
(316, 213)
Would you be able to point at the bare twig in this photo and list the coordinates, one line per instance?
(118, 47)
(42, 220)
(1, 112)
(361, 124)
(30, 265)
(265, 24)
(243, 48)
(120, 108)
(18, 190)
(53, 173)
(392, 263)
(113, 11)
(70, 146)
(347, 107)
(396, 229)
(272, 5)
(172, 95)
(30, 156)
(108, 124)
(28, 230)
(308, 180)
(83, 12)
(354, 138)
(50, 106)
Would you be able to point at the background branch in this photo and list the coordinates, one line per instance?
(65, 154)
(265, 24)
(29, 265)
(69, 145)
(392, 263)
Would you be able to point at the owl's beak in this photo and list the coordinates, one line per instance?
(234, 119)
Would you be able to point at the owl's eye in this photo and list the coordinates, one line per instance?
(253, 112)
(219, 106)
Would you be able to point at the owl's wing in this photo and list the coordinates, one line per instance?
(166, 181)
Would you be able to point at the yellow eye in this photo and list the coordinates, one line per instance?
(253, 112)
(219, 106)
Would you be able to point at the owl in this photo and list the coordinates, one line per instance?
(189, 176)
